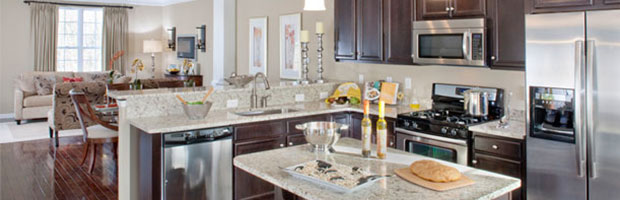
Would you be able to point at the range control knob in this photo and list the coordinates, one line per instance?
(444, 130)
(454, 132)
(414, 125)
(406, 123)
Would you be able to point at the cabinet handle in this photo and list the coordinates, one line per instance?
(474, 162)
(447, 9)
(493, 58)
(412, 56)
(281, 145)
(391, 144)
(495, 147)
(290, 144)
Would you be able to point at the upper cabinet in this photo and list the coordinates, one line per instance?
(446, 9)
(373, 31)
(370, 30)
(398, 18)
(346, 38)
(546, 6)
(506, 34)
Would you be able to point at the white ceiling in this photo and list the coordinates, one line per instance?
(135, 2)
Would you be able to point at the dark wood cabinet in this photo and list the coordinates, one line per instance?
(501, 155)
(246, 185)
(196, 78)
(356, 126)
(506, 34)
(397, 20)
(345, 29)
(343, 119)
(370, 30)
(356, 130)
(447, 9)
(549, 6)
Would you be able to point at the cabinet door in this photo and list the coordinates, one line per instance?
(370, 30)
(398, 22)
(248, 186)
(293, 140)
(356, 126)
(343, 119)
(506, 28)
(345, 27)
(433, 9)
(501, 166)
(469, 8)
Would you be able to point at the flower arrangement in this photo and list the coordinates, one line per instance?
(113, 75)
(136, 67)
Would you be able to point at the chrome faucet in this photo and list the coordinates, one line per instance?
(254, 97)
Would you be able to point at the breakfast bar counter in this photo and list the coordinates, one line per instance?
(268, 165)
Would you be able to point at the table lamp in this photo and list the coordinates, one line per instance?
(152, 47)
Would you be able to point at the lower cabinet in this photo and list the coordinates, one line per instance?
(248, 186)
(501, 155)
(356, 130)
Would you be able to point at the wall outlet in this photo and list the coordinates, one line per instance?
(300, 97)
(407, 83)
(233, 103)
(323, 95)
(360, 79)
(388, 79)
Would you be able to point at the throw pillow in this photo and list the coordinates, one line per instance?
(122, 79)
(44, 84)
(72, 79)
(26, 86)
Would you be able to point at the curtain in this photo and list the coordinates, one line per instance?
(115, 37)
(44, 26)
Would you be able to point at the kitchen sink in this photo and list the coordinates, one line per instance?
(266, 112)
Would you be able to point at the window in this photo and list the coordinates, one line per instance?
(79, 39)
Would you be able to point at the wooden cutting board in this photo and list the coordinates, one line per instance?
(406, 174)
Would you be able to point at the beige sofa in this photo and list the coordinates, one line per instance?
(30, 105)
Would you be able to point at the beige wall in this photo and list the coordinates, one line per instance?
(145, 23)
(186, 17)
(422, 76)
(15, 48)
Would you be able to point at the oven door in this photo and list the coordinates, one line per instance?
(447, 149)
(449, 46)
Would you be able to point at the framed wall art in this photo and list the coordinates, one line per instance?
(258, 45)
(290, 46)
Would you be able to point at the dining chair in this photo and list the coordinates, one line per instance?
(102, 133)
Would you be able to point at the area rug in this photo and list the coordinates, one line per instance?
(11, 132)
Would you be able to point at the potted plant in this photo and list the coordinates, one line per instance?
(136, 67)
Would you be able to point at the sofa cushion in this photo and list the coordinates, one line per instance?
(93, 76)
(38, 100)
(25, 82)
(44, 84)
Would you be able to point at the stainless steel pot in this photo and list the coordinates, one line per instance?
(322, 135)
(476, 102)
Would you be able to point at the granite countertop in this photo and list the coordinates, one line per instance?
(515, 129)
(267, 165)
(218, 118)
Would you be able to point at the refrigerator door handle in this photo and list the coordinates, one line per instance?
(590, 70)
(579, 107)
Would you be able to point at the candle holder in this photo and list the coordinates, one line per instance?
(304, 64)
(320, 59)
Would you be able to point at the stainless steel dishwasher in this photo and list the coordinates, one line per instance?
(198, 164)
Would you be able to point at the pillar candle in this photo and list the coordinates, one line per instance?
(305, 36)
(319, 27)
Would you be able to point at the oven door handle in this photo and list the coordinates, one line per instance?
(432, 137)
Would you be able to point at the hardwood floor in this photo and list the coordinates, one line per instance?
(34, 170)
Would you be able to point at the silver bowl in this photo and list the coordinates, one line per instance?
(322, 135)
(197, 111)
(239, 81)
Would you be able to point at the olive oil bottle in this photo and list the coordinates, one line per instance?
(366, 130)
(381, 132)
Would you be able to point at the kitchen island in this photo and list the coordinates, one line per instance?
(267, 166)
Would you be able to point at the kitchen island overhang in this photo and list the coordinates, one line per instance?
(268, 165)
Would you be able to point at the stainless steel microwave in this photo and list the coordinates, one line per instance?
(449, 42)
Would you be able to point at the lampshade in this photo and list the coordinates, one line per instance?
(314, 5)
(152, 46)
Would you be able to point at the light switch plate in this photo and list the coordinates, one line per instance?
(407, 83)
(323, 95)
(388, 79)
(233, 103)
(360, 78)
(299, 97)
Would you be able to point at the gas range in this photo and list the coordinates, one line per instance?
(445, 123)
(447, 118)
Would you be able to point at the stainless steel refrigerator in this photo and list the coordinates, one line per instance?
(573, 98)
